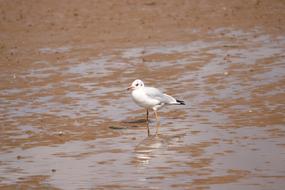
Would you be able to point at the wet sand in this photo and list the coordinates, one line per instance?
(66, 121)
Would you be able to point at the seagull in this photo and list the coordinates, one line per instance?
(151, 98)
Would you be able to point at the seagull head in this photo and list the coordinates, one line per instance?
(136, 84)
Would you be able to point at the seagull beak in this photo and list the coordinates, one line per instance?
(129, 88)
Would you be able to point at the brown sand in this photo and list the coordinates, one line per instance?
(64, 120)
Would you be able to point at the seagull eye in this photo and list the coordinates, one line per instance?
(137, 84)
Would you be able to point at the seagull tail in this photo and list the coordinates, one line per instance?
(180, 102)
(172, 101)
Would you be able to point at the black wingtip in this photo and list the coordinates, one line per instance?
(181, 102)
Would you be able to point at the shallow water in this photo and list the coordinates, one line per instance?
(67, 121)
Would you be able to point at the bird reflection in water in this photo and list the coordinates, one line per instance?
(149, 148)
(154, 146)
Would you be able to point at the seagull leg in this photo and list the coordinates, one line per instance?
(157, 121)
(156, 116)
(147, 115)
(148, 133)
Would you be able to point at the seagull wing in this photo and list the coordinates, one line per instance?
(156, 94)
